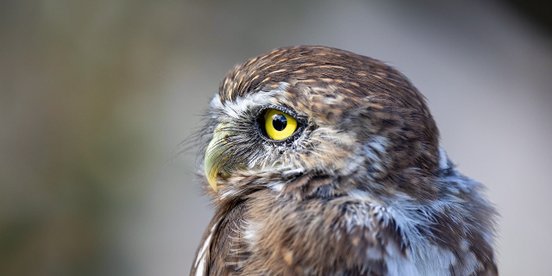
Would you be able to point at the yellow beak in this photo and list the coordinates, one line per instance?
(215, 156)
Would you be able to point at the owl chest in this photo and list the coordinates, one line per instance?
(312, 238)
(327, 238)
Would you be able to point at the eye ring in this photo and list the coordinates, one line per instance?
(278, 125)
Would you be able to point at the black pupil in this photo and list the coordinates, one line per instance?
(279, 122)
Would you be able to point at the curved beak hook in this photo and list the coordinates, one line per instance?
(215, 158)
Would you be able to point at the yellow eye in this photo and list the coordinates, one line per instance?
(279, 125)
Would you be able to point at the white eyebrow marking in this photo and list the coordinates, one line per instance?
(234, 108)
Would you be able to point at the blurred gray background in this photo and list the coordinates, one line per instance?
(97, 96)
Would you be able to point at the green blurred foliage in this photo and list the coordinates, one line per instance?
(69, 150)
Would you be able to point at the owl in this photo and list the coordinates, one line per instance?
(320, 161)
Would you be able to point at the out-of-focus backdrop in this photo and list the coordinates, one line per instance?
(97, 96)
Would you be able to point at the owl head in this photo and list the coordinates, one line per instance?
(294, 115)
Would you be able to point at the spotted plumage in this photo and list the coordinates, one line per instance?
(361, 187)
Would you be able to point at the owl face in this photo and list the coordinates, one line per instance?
(308, 111)
(274, 132)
